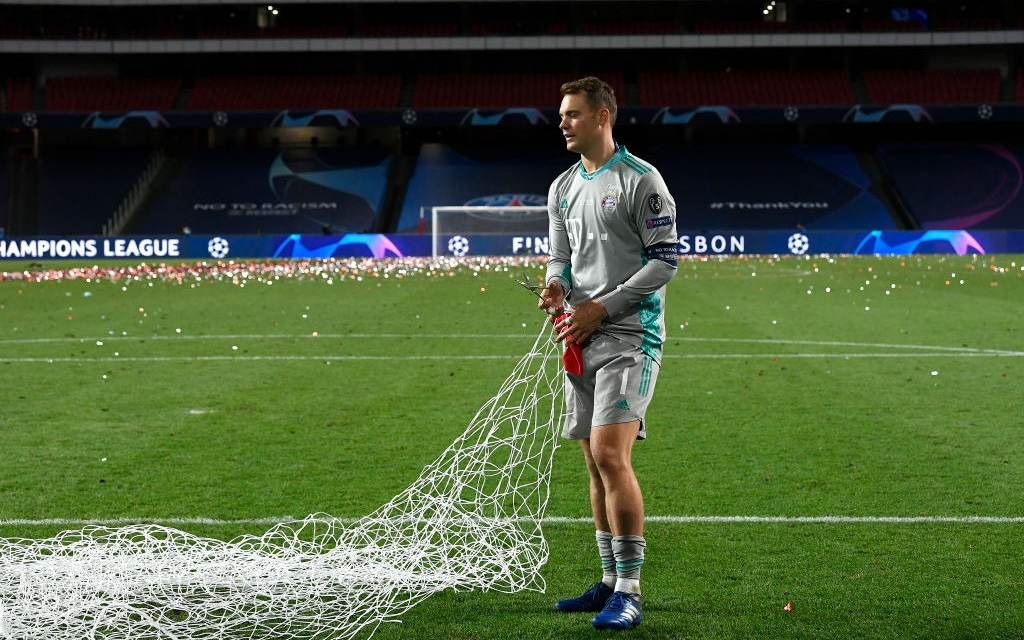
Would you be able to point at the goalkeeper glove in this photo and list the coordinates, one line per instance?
(572, 357)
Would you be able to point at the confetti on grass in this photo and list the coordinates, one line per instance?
(333, 270)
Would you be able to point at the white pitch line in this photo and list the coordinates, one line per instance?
(307, 336)
(548, 520)
(406, 358)
(492, 336)
(832, 343)
(99, 522)
(915, 350)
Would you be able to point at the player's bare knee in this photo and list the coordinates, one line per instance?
(609, 461)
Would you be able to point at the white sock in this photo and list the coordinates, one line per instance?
(604, 547)
(628, 585)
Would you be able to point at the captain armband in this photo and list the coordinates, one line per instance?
(666, 252)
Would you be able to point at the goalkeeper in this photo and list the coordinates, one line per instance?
(613, 247)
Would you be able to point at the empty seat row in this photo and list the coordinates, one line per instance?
(760, 26)
(934, 86)
(296, 92)
(17, 94)
(461, 90)
(506, 90)
(743, 88)
(445, 29)
(115, 94)
(840, 26)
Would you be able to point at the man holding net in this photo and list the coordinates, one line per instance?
(613, 249)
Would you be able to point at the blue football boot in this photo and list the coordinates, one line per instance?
(591, 601)
(622, 611)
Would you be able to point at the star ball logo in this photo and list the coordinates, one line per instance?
(458, 245)
(798, 244)
(218, 247)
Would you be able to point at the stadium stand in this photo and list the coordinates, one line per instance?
(739, 88)
(152, 33)
(15, 32)
(254, 191)
(79, 188)
(296, 92)
(502, 90)
(5, 196)
(111, 94)
(934, 86)
(959, 186)
(468, 175)
(231, 62)
(770, 187)
(17, 94)
(630, 28)
(410, 30)
(515, 28)
(311, 31)
(883, 26)
(969, 24)
(761, 26)
(447, 18)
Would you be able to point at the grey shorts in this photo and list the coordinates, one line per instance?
(616, 386)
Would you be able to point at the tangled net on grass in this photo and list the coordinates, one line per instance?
(472, 520)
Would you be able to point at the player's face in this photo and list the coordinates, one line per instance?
(580, 124)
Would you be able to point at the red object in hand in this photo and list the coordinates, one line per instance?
(572, 357)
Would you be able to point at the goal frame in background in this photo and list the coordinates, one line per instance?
(435, 211)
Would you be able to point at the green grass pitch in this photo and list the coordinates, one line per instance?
(838, 434)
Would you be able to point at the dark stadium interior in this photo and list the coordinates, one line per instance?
(359, 89)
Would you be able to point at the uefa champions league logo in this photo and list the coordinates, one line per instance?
(798, 244)
(218, 247)
(458, 245)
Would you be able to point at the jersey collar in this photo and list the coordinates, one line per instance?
(620, 153)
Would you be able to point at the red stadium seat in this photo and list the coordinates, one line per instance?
(630, 28)
(503, 90)
(17, 94)
(743, 88)
(111, 94)
(338, 31)
(770, 26)
(410, 30)
(935, 86)
(296, 92)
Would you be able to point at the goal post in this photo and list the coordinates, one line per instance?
(464, 222)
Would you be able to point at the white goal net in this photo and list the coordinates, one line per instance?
(472, 520)
(449, 224)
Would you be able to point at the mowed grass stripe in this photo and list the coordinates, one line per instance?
(877, 493)
(411, 348)
(487, 336)
(404, 358)
(185, 521)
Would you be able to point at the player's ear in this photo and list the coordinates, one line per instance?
(603, 116)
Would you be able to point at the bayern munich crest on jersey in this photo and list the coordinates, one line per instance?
(608, 203)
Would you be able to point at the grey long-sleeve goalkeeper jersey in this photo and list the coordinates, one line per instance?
(612, 236)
